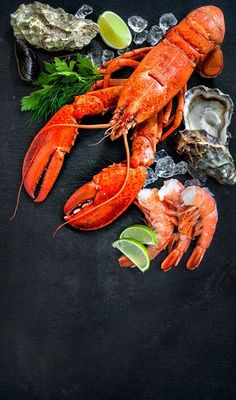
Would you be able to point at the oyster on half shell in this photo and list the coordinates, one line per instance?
(210, 110)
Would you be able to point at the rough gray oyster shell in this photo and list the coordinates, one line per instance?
(205, 152)
(210, 110)
(51, 29)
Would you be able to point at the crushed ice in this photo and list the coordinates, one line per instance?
(137, 23)
(165, 167)
(155, 35)
(167, 20)
(151, 177)
(140, 37)
(96, 57)
(83, 11)
(107, 55)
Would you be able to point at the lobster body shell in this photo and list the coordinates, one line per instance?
(165, 70)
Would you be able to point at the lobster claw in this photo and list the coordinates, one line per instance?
(100, 201)
(45, 156)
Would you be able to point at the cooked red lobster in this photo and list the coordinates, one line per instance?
(143, 102)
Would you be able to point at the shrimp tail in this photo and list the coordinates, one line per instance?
(125, 262)
(196, 257)
(171, 260)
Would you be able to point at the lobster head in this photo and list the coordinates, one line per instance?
(208, 21)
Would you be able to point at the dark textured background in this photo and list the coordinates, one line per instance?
(73, 325)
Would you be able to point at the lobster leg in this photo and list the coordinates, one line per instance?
(145, 138)
(46, 153)
(178, 115)
(133, 54)
(115, 66)
(167, 113)
(113, 82)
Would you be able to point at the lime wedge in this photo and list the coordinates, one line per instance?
(135, 251)
(142, 233)
(114, 31)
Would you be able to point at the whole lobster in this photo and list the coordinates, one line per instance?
(142, 102)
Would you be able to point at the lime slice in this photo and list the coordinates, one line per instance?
(114, 31)
(135, 251)
(142, 233)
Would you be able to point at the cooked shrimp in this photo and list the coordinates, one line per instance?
(171, 192)
(176, 252)
(198, 219)
(158, 217)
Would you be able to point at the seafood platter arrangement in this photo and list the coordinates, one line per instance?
(148, 106)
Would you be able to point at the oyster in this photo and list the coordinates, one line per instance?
(207, 115)
(51, 29)
(205, 152)
(210, 110)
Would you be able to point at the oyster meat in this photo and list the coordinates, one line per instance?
(51, 29)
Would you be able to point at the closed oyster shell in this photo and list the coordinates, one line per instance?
(26, 60)
(210, 110)
(205, 153)
(51, 29)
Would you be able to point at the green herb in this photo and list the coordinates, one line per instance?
(60, 82)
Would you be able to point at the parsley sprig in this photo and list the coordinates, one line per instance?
(58, 84)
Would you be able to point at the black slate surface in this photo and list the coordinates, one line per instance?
(73, 324)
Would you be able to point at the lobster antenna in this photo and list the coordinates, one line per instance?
(20, 190)
(106, 134)
(81, 126)
(112, 198)
(17, 199)
(59, 228)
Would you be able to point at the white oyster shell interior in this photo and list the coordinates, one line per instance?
(208, 109)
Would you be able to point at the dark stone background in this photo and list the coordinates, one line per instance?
(73, 325)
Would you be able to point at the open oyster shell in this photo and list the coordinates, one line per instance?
(210, 110)
(204, 152)
(51, 29)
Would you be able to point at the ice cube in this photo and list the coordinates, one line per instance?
(192, 182)
(197, 174)
(107, 55)
(165, 167)
(151, 177)
(122, 51)
(137, 23)
(160, 154)
(154, 35)
(140, 37)
(167, 20)
(83, 11)
(96, 57)
(181, 168)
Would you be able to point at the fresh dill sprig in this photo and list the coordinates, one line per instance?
(58, 84)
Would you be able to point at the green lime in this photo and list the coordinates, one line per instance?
(135, 251)
(114, 31)
(142, 233)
